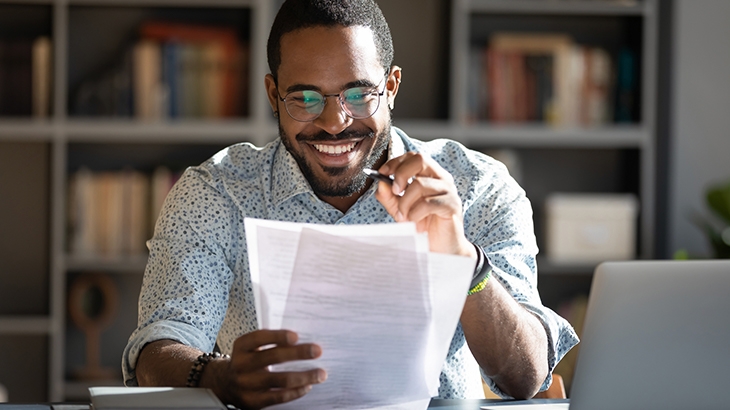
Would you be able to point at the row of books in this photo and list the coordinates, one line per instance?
(112, 213)
(550, 79)
(25, 77)
(173, 71)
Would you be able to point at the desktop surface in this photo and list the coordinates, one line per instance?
(440, 404)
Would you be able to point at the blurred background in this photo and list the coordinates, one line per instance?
(612, 114)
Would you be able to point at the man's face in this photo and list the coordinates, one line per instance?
(333, 149)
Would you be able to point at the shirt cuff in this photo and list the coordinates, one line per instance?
(166, 329)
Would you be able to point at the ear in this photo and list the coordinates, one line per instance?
(394, 79)
(272, 92)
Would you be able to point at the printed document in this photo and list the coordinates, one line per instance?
(382, 307)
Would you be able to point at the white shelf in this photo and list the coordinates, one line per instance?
(571, 7)
(526, 136)
(26, 129)
(24, 325)
(164, 3)
(183, 131)
(131, 264)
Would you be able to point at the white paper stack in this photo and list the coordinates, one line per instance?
(382, 307)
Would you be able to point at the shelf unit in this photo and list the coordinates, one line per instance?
(618, 158)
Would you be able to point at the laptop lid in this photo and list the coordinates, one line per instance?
(656, 336)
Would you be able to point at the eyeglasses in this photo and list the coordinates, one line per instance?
(357, 102)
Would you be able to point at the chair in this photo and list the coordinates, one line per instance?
(555, 391)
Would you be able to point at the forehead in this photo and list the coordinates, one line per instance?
(328, 57)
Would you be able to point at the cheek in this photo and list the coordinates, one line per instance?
(289, 128)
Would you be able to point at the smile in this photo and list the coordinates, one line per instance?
(335, 149)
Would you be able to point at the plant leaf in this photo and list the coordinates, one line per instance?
(718, 199)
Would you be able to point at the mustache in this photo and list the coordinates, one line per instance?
(325, 136)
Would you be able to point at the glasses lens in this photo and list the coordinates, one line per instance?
(360, 102)
(304, 105)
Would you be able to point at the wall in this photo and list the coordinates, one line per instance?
(700, 127)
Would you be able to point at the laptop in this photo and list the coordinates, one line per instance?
(656, 336)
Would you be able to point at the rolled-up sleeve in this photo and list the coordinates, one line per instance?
(184, 294)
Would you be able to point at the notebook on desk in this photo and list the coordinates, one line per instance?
(656, 336)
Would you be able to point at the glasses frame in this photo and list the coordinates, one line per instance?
(340, 100)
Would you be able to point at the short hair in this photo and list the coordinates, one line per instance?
(298, 14)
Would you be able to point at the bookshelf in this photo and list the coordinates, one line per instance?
(90, 39)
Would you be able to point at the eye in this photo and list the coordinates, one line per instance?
(305, 97)
(357, 94)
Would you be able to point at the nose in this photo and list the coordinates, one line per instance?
(333, 119)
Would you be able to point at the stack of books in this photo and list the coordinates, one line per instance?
(173, 71)
(547, 78)
(112, 213)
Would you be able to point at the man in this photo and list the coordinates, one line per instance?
(332, 87)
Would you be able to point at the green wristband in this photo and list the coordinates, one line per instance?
(482, 272)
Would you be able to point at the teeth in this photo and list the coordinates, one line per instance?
(335, 149)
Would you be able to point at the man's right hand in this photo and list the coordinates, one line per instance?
(245, 380)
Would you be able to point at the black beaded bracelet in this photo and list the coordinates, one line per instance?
(199, 364)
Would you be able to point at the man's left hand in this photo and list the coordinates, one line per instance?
(423, 192)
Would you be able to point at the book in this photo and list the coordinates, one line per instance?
(109, 212)
(626, 89)
(122, 398)
(171, 74)
(212, 79)
(557, 46)
(15, 90)
(147, 78)
(42, 77)
(219, 44)
(544, 78)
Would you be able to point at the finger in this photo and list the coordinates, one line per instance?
(253, 341)
(265, 380)
(441, 206)
(385, 196)
(420, 189)
(280, 354)
(416, 165)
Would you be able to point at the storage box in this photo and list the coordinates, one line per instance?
(590, 228)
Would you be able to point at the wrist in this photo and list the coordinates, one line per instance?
(215, 377)
(199, 365)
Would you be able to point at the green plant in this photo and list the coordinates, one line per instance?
(718, 230)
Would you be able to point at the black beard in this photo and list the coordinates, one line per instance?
(345, 188)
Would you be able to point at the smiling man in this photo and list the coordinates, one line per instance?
(332, 87)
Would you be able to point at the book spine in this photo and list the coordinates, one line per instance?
(42, 78)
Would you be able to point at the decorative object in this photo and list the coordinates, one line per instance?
(92, 305)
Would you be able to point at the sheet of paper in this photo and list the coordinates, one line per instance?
(383, 309)
(536, 406)
(278, 243)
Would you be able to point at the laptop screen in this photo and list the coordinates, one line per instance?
(656, 336)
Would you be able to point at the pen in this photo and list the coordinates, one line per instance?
(378, 176)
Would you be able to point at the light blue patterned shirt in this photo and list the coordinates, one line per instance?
(197, 288)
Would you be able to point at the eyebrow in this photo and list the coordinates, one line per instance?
(351, 84)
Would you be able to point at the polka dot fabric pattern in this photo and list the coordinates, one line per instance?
(197, 289)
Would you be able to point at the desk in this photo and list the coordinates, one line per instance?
(440, 404)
